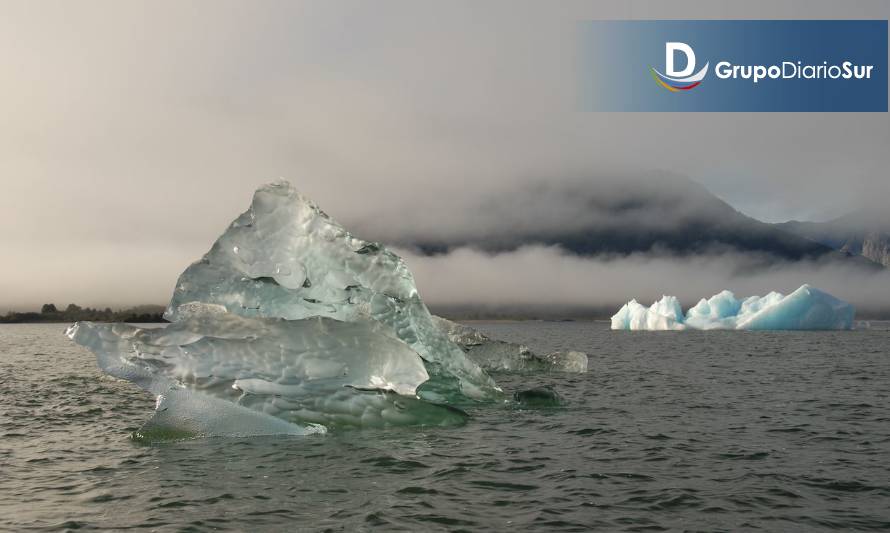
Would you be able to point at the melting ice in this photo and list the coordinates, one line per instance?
(807, 308)
(291, 325)
(496, 355)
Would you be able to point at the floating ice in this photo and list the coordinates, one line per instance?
(496, 355)
(289, 324)
(316, 370)
(807, 308)
(179, 411)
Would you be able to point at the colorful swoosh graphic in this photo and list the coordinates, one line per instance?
(692, 81)
(672, 88)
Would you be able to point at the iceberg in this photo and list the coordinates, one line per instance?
(285, 258)
(807, 308)
(291, 325)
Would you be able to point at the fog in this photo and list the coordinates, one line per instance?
(645, 201)
(541, 277)
(131, 133)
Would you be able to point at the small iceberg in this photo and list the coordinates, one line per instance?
(807, 308)
(500, 356)
(292, 325)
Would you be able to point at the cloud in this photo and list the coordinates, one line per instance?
(92, 274)
(543, 208)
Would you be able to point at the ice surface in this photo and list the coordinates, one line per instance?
(496, 355)
(211, 371)
(179, 412)
(807, 308)
(286, 258)
(635, 316)
(717, 312)
(290, 325)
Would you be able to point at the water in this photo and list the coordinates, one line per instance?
(700, 431)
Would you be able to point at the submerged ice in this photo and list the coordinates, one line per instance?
(291, 325)
(807, 308)
(496, 355)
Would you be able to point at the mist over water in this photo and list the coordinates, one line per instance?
(716, 431)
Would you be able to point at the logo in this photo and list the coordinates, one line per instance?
(683, 80)
(761, 66)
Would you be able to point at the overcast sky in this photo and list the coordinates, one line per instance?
(131, 133)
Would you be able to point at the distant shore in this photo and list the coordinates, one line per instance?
(148, 314)
(49, 313)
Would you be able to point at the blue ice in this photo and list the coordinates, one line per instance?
(807, 308)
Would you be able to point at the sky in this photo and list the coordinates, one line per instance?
(131, 133)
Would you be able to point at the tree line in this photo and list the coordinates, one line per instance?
(74, 313)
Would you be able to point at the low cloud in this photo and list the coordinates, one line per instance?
(541, 208)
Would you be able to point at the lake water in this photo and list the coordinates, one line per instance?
(698, 431)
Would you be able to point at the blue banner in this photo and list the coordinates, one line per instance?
(733, 65)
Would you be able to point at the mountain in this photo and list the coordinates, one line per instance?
(864, 233)
(668, 215)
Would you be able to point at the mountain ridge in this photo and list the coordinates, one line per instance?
(670, 215)
(864, 233)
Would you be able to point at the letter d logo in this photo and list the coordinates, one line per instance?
(670, 50)
(683, 80)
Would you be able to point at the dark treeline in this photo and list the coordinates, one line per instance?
(74, 312)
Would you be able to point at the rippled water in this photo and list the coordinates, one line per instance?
(680, 431)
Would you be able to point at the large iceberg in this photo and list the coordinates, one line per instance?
(285, 258)
(807, 308)
(291, 325)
